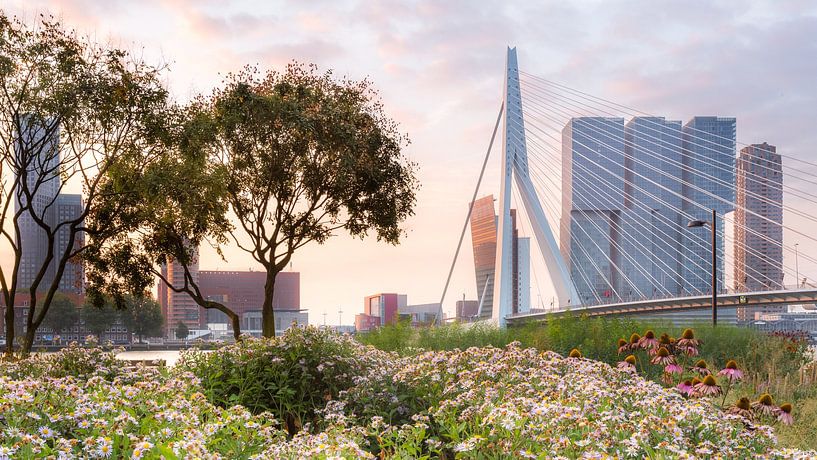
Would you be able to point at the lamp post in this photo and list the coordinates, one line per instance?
(712, 226)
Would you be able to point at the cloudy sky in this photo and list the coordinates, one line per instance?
(438, 66)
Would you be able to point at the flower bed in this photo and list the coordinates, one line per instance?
(477, 403)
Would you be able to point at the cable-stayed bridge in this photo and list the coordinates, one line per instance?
(631, 212)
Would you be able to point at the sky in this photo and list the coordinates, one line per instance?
(439, 68)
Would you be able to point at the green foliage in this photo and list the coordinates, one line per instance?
(99, 319)
(292, 376)
(143, 317)
(63, 314)
(72, 361)
(182, 331)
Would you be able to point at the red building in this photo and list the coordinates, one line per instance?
(379, 310)
(243, 291)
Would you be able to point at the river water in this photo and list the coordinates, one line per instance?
(168, 356)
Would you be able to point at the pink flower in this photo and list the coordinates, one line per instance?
(673, 368)
(709, 387)
(628, 364)
(784, 414)
(648, 341)
(685, 387)
(662, 356)
(731, 371)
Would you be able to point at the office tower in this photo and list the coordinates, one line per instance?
(652, 189)
(708, 154)
(243, 291)
(483, 236)
(592, 204)
(179, 307)
(758, 240)
(41, 159)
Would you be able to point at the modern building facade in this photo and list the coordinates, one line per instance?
(592, 205)
(758, 224)
(708, 155)
(419, 314)
(379, 310)
(243, 291)
(41, 159)
(467, 310)
(484, 240)
(179, 307)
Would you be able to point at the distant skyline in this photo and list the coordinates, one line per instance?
(438, 66)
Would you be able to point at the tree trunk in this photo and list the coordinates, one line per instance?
(9, 331)
(28, 341)
(267, 310)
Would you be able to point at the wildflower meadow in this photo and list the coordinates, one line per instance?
(314, 394)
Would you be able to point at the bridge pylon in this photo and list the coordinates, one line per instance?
(515, 170)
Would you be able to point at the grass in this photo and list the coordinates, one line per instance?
(771, 364)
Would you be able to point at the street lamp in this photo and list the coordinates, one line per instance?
(712, 226)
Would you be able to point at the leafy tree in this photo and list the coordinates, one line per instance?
(305, 155)
(99, 319)
(63, 314)
(143, 317)
(182, 331)
(70, 112)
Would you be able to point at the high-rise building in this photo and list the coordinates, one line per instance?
(592, 205)
(483, 236)
(379, 310)
(758, 227)
(708, 156)
(652, 194)
(179, 307)
(42, 158)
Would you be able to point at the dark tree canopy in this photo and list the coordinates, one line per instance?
(143, 317)
(305, 155)
(63, 314)
(182, 331)
(99, 319)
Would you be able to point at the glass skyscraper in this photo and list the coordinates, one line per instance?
(708, 153)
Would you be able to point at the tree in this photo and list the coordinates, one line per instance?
(70, 112)
(143, 317)
(182, 331)
(63, 314)
(99, 319)
(305, 155)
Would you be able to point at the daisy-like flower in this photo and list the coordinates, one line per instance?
(731, 371)
(765, 405)
(663, 357)
(784, 414)
(700, 368)
(743, 408)
(575, 353)
(685, 387)
(622, 346)
(46, 432)
(628, 364)
(648, 341)
(673, 368)
(708, 387)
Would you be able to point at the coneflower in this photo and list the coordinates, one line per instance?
(685, 387)
(622, 346)
(575, 353)
(688, 339)
(784, 414)
(765, 405)
(673, 368)
(634, 339)
(743, 408)
(700, 368)
(731, 371)
(628, 364)
(708, 387)
(663, 357)
(648, 341)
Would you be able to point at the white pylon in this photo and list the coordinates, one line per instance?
(515, 164)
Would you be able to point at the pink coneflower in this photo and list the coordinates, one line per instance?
(708, 387)
(700, 368)
(575, 353)
(628, 364)
(634, 339)
(685, 387)
(688, 350)
(688, 339)
(648, 341)
(784, 414)
(743, 408)
(765, 405)
(731, 371)
(662, 357)
(673, 368)
(622, 346)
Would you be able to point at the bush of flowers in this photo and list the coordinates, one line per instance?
(485, 402)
